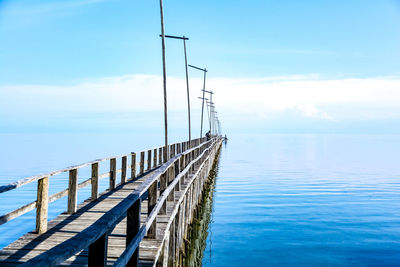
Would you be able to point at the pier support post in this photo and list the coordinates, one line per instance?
(123, 169)
(160, 153)
(171, 176)
(177, 171)
(132, 228)
(98, 252)
(141, 170)
(133, 165)
(163, 186)
(113, 172)
(72, 191)
(95, 181)
(148, 160)
(152, 201)
(42, 204)
(171, 245)
(155, 158)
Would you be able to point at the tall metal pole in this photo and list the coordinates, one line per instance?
(164, 82)
(202, 105)
(187, 87)
(209, 114)
(211, 95)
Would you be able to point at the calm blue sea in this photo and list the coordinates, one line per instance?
(306, 200)
(286, 200)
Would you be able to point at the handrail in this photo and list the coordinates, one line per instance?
(109, 220)
(21, 182)
(130, 249)
(43, 199)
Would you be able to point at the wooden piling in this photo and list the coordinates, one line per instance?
(98, 252)
(42, 205)
(95, 181)
(123, 169)
(113, 173)
(155, 158)
(72, 191)
(152, 201)
(149, 160)
(133, 165)
(141, 170)
(132, 228)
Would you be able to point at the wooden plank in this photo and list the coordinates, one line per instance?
(18, 212)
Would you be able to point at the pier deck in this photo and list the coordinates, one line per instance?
(106, 232)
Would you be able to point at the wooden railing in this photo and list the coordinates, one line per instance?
(160, 187)
(155, 158)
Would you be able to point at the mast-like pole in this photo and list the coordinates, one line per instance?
(166, 154)
(187, 87)
(202, 105)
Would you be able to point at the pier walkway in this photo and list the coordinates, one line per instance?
(141, 221)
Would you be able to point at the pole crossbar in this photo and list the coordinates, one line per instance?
(176, 37)
(205, 70)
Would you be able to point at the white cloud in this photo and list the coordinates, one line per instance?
(306, 95)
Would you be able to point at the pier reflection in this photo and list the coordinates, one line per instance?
(201, 227)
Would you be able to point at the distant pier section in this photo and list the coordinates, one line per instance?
(143, 219)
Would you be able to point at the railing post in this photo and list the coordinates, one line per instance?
(141, 170)
(95, 180)
(132, 228)
(133, 165)
(113, 172)
(152, 201)
(98, 252)
(172, 150)
(179, 148)
(72, 191)
(155, 158)
(163, 186)
(123, 169)
(171, 246)
(149, 160)
(177, 171)
(165, 154)
(182, 167)
(171, 176)
(42, 204)
(160, 153)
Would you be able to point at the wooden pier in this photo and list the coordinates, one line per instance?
(141, 220)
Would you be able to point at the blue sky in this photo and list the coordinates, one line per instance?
(342, 56)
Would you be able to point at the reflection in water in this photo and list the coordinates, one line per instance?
(203, 216)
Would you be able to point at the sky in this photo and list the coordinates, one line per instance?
(275, 66)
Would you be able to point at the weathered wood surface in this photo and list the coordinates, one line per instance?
(165, 224)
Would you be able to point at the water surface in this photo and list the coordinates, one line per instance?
(307, 200)
(286, 200)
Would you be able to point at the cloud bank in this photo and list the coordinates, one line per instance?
(238, 100)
